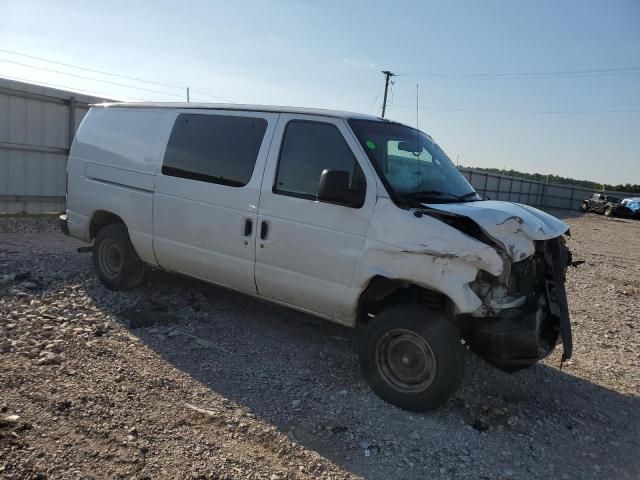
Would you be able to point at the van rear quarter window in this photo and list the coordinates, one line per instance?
(214, 148)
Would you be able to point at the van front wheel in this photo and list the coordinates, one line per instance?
(114, 259)
(412, 357)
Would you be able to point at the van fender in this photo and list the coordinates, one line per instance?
(423, 251)
(444, 273)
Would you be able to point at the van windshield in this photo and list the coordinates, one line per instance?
(411, 164)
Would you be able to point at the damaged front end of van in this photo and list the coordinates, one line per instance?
(500, 266)
(524, 312)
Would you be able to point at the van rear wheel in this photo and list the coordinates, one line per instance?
(114, 259)
(412, 357)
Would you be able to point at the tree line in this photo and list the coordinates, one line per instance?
(539, 177)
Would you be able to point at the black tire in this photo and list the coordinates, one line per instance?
(114, 259)
(608, 212)
(584, 207)
(412, 357)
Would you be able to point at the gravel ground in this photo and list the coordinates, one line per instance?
(180, 379)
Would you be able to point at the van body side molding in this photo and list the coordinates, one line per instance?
(121, 177)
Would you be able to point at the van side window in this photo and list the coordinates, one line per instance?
(308, 148)
(214, 148)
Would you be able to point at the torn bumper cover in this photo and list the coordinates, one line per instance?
(514, 338)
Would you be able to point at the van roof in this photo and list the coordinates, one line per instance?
(243, 107)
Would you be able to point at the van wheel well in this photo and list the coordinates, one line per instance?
(101, 219)
(383, 292)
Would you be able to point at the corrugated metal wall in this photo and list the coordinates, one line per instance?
(502, 187)
(530, 192)
(37, 125)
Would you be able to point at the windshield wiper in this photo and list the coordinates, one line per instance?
(470, 194)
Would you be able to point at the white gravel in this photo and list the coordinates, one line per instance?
(100, 392)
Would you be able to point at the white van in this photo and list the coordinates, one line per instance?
(353, 218)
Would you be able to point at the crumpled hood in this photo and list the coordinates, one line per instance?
(513, 225)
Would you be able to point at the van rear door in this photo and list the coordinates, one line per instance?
(207, 193)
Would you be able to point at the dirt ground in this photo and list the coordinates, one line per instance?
(180, 379)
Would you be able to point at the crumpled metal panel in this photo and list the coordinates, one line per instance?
(513, 225)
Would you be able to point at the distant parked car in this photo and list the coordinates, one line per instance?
(633, 203)
(607, 205)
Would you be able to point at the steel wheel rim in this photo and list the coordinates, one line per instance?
(110, 258)
(405, 360)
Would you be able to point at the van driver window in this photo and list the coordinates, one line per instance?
(309, 148)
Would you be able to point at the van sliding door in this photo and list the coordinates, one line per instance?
(207, 193)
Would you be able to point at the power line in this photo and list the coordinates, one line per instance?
(482, 110)
(91, 78)
(375, 99)
(65, 87)
(72, 89)
(160, 84)
(212, 96)
(565, 73)
(102, 72)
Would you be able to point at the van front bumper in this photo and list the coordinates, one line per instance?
(518, 336)
(64, 224)
(515, 339)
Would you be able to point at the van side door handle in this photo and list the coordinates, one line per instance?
(264, 230)
(248, 227)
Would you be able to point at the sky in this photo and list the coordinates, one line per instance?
(330, 54)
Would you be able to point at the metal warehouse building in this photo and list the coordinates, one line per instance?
(37, 125)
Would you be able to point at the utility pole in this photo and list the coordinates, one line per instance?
(387, 76)
(187, 94)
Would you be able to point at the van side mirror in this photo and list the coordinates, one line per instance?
(334, 187)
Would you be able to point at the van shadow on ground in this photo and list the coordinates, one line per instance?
(301, 374)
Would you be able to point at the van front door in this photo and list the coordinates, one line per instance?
(307, 249)
(207, 192)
